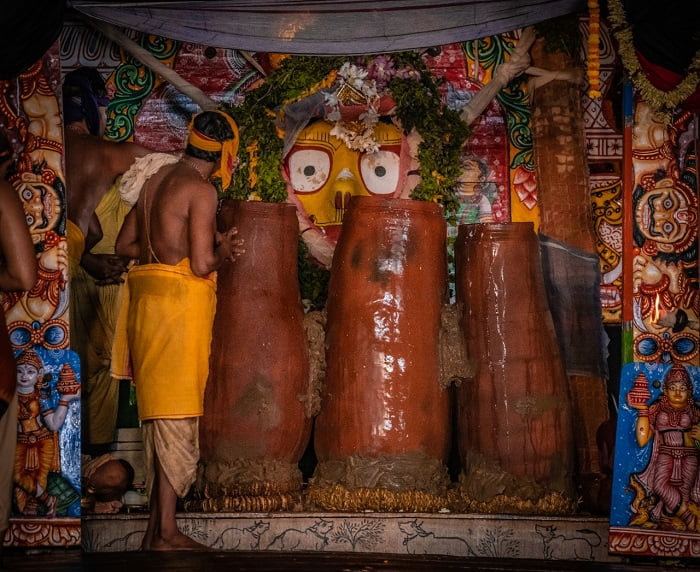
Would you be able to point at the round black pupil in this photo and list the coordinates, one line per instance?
(380, 171)
(309, 170)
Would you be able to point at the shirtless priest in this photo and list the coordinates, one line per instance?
(167, 313)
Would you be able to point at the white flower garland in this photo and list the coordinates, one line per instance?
(357, 135)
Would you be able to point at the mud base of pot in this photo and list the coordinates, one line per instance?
(550, 504)
(484, 487)
(411, 482)
(245, 503)
(246, 485)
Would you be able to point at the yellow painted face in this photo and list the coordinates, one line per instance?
(324, 173)
(677, 393)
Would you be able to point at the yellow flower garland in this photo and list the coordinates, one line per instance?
(593, 68)
(663, 101)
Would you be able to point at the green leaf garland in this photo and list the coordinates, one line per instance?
(418, 106)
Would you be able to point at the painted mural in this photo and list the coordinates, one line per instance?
(46, 499)
(655, 500)
(665, 229)
(602, 117)
(656, 507)
(155, 114)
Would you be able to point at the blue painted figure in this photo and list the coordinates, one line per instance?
(40, 488)
(667, 491)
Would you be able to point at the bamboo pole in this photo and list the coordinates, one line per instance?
(147, 59)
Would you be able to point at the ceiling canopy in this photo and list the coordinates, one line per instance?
(326, 27)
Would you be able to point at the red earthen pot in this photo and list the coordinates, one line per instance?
(259, 361)
(515, 415)
(387, 287)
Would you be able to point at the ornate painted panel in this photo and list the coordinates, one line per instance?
(655, 499)
(46, 496)
(666, 300)
(604, 143)
(581, 539)
(656, 490)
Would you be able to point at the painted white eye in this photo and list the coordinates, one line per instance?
(380, 172)
(308, 169)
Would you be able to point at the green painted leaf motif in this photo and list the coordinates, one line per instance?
(134, 82)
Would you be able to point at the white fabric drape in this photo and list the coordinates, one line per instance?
(326, 27)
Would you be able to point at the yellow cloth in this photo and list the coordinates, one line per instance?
(76, 245)
(111, 213)
(164, 330)
(93, 317)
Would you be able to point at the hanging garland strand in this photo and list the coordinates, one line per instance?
(664, 101)
(593, 68)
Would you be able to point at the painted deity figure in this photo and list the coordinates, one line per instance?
(668, 489)
(324, 173)
(665, 215)
(39, 421)
(665, 282)
(475, 193)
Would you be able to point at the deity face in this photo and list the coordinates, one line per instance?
(677, 393)
(323, 173)
(662, 215)
(27, 376)
(470, 179)
(41, 202)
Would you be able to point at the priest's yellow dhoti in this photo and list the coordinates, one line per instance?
(163, 339)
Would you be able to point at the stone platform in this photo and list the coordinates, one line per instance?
(476, 535)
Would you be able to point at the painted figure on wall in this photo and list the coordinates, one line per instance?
(44, 405)
(665, 269)
(665, 231)
(667, 491)
(475, 192)
(33, 121)
(665, 214)
(324, 173)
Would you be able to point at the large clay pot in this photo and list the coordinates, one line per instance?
(255, 428)
(384, 419)
(514, 418)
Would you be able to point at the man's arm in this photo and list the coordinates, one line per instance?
(202, 229)
(105, 268)
(17, 258)
(209, 248)
(94, 233)
(127, 243)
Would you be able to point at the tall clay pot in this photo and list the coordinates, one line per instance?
(384, 419)
(255, 428)
(514, 417)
